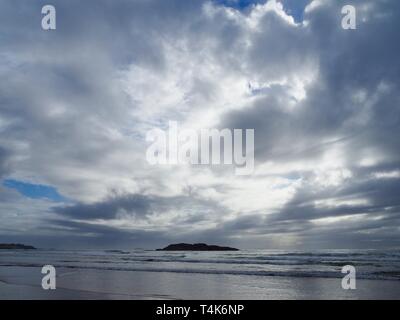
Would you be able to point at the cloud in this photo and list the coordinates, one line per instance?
(133, 204)
(172, 215)
(3, 162)
(76, 103)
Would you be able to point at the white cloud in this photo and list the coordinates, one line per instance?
(75, 108)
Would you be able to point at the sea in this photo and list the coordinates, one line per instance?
(246, 274)
(369, 264)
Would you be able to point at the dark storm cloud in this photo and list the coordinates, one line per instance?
(101, 236)
(140, 206)
(136, 205)
(4, 162)
(106, 236)
(85, 235)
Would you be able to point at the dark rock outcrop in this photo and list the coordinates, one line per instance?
(195, 247)
(13, 246)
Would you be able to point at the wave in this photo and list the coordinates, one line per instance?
(382, 265)
(303, 262)
(117, 251)
(376, 275)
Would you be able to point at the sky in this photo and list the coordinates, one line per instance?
(76, 104)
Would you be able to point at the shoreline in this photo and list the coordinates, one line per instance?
(10, 291)
(82, 284)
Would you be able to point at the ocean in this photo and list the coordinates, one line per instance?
(249, 274)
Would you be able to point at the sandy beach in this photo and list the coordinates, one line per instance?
(24, 283)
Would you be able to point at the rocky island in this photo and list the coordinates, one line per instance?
(12, 246)
(195, 247)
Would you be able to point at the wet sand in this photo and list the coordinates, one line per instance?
(25, 283)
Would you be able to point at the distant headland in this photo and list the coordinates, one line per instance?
(195, 247)
(13, 246)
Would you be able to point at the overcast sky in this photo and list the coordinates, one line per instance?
(76, 103)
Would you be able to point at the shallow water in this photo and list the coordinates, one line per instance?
(247, 274)
(370, 264)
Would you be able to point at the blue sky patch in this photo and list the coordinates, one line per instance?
(295, 8)
(34, 191)
(238, 4)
